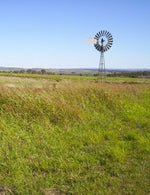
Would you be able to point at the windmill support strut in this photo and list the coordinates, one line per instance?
(101, 71)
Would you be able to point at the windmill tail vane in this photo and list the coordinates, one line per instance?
(102, 42)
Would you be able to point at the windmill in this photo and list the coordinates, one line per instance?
(102, 41)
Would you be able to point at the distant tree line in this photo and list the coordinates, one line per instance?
(132, 74)
(45, 72)
(29, 71)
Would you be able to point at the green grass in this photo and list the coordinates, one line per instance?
(74, 137)
(65, 77)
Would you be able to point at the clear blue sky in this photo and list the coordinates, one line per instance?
(52, 33)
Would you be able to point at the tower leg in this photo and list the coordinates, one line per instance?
(101, 70)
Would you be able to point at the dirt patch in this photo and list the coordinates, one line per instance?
(5, 191)
(52, 191)
(10, 85)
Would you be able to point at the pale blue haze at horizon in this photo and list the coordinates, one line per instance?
(52, 34)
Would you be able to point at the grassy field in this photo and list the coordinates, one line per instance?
(74, 136)
(63, 77)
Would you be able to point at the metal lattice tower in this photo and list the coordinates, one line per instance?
(102, 41)
(101, 70)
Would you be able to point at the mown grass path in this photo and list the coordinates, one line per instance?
(74, 137)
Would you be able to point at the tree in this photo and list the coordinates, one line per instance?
(22, 71)
(29, 71)
(43, 71)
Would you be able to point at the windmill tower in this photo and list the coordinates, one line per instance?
(102, 41)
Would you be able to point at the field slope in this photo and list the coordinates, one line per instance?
(74, 136)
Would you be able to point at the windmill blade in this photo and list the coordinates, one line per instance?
(91, 40)
(96, 37)
(107, 33)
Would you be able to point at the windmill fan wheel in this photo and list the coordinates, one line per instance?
(99, 45)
